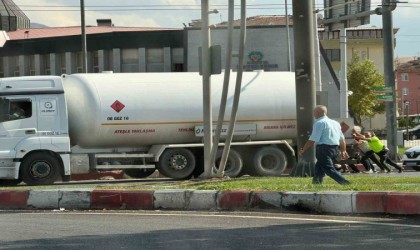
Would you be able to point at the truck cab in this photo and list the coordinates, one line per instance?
(34, 141)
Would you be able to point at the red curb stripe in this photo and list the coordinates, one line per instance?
(371, 202)
(258, 200)
(137, 199)
(403, 203)
(233, 199)
(103, 199)
(14, 199)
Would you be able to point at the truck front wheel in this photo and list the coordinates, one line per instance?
(40, 169)
(177, 163)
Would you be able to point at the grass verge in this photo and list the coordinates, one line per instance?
(359, 183)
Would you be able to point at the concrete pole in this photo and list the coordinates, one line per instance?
(237, 93)
(289, 57)
(226, 79)
(207, 104)
(305, 82)
(318, 78)
(83, 24)
(344, 103)
(391, 107)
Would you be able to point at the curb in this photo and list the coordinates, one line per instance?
(207, 200)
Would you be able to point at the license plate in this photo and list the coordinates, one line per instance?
(410, 163)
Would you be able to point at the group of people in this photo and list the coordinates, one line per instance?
(369, 146)
(330, 143)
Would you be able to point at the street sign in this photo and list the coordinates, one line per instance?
(384, 98)
(383, 89)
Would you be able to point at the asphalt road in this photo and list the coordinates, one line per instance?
(190, 230)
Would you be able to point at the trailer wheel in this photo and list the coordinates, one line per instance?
(233, 164)
(270, 161)
(40, 169)
(139, 173)
(177, 163)
(5, 183)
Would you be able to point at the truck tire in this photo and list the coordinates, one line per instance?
(177, 163)
(234, 163)
(270, 161)
(40, 169)
(139, 173)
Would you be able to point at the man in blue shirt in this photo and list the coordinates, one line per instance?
(328, 138)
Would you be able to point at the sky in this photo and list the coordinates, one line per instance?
(176, 13)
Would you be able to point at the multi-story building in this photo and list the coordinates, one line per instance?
(56, 51)
(408, 87)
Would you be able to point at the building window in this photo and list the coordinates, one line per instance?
(63, 63)
(378, 34)
(404, 77)
(79, 62)
(154, 60)
(333, 54)
(46, 64)
(177, 59)
(130, 60)
(16, 68)
(363, 55)
(31, 65)
(95, 55)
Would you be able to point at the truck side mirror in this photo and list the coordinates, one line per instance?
(4, 109)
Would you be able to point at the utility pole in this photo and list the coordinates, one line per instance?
(207, 104)
(344, 102)
(318, 77)
(289, 57)
(83, 24)
(305, 82)
(389, 74)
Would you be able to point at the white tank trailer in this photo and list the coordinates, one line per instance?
(141, 122)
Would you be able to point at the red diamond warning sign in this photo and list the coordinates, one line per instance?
(344, 127)
(117, 106)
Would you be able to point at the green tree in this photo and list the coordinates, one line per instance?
(362, 76)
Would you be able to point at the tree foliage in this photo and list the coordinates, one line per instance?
(362, 76)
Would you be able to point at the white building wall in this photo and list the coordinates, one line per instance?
(270, 43)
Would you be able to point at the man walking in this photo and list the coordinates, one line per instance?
(328, 138)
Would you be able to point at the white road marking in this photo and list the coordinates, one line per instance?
(230, 216)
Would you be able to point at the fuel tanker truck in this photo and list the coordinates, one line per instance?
(140, 122)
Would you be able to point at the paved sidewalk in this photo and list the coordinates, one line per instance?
(320, 203)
